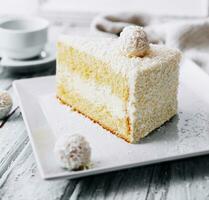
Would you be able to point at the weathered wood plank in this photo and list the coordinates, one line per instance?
(159, 182)
(13, 137)
(127, 184)
(189, 179)
(23, 181)
(186, 179)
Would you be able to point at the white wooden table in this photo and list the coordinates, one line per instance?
(20, 179)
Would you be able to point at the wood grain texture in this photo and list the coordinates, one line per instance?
(13, 135)
(23, 181)
(185, 179)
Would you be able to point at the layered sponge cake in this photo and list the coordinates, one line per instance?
(129, 96)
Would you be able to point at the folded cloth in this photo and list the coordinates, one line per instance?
(191, 36)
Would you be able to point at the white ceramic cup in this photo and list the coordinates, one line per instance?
(23, 37)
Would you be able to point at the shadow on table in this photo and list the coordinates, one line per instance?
(167, 132)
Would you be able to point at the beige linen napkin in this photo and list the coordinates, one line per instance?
(189, 35)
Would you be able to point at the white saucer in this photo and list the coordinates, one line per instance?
(46, 59)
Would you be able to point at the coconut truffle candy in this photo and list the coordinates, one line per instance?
(73, 152)
(5, 104)
(126, 85)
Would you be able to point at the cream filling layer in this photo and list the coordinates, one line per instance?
(94, 93)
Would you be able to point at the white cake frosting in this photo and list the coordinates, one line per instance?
(105, 49)
(73, 152)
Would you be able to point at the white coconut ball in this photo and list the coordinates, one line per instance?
(73, 152)
(5, 104)
(133, 41)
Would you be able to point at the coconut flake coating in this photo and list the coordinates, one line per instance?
(73, 152)
(5, 103)
(133, 42)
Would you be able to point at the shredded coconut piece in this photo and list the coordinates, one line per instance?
(133, 41)
(73, 152)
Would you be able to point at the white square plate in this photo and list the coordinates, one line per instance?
(186, 135)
